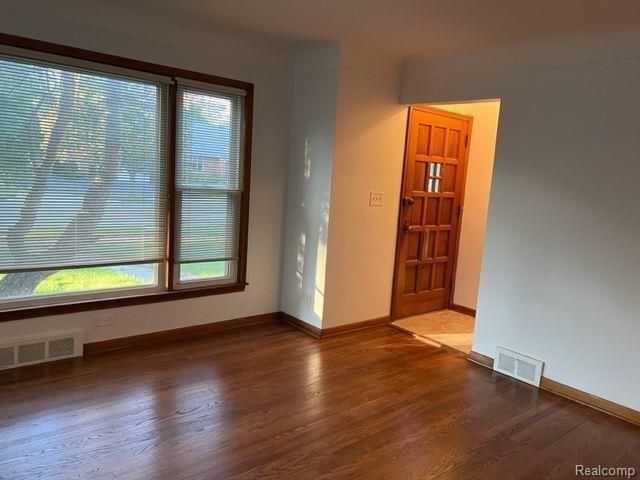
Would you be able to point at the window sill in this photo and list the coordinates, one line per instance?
(116, 302)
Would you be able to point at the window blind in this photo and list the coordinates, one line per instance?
(208, 174)
(82, 167)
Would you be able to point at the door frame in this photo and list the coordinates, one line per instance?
(400, 226)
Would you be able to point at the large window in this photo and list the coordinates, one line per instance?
(89, 155)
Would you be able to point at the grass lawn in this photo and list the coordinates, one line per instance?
(104, 278)
(193, 271)
(85, 279)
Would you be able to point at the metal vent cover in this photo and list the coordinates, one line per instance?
(61, 347)
(526, 370)
(17, 352)
(518, 366)
(506, 363)
(7, 357)
(32, 352)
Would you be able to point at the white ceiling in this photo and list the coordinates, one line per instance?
(404, 28)
(409, 27)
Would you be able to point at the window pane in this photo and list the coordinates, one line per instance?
(203, 271)
(79, 280)
(208, 140)
(208, 223)
(82, 174)
(208, 183)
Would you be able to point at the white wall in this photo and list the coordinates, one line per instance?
(476, 196)
(560, 271)
(347, 140)
(310, 166)
(369, 148)
(266, 64)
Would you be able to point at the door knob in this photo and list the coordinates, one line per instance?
(407, 201)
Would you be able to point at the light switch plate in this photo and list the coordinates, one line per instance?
(376, 199)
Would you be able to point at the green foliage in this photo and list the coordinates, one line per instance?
(102, 278)
(23, 94)
(29, 105)
(202, 270)
(84, 280)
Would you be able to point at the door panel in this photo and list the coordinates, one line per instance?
(433, 185)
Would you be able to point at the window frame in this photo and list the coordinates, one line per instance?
(168, 289)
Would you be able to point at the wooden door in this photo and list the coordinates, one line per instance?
(430, 210)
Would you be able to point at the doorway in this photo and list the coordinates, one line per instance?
(443, 210)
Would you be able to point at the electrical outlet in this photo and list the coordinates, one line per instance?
(105, 320)
(376, 199)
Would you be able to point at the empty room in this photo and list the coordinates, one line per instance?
(319, 240)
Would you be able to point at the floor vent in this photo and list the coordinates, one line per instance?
(518, 366)
(17, 352)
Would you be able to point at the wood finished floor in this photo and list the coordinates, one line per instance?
(271, 402)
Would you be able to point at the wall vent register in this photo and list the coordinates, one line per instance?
(18, 352)
(518, 366)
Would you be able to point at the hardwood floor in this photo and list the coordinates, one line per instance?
(271, 402)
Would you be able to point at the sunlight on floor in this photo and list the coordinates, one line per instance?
(445, 328)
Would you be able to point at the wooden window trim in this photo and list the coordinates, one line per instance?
(170, 293)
